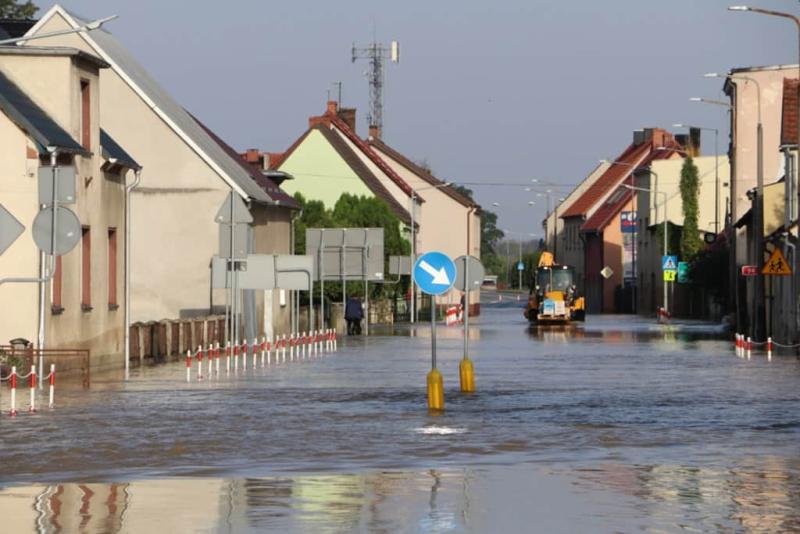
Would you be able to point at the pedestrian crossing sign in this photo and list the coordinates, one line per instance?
(776, 264)
(669, 263)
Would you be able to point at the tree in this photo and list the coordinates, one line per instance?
(12, 9)
(691, 243)
(490, 236)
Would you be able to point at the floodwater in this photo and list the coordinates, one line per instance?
(619, 425)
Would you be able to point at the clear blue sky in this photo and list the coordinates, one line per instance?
(486, 91)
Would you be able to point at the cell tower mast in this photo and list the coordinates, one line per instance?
(375, 53)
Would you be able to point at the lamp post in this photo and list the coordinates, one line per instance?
(758, 211)
(413, 210)
(89, 26)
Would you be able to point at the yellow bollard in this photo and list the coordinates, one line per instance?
(435, 390)
(467, 373)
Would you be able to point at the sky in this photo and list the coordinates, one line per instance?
(491, 92)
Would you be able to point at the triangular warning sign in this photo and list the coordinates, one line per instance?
(776, 264)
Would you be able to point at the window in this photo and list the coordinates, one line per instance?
(86, 116)
(86, 269)
(112, 269)
(56, 287)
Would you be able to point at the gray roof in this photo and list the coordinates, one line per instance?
(32, 119)
(123, 59)
(112, 150)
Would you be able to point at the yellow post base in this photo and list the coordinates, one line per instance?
(467, 373)
(435, 390)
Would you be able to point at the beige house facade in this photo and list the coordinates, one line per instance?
(50, 101)
(187, 173)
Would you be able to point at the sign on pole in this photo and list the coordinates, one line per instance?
(265, 271)
(434, 273)
(749, 270)
(683, 272)
(669, 263)
(10, 229)
(68, 230)
(240, 238)
(669, 276)
(776, 265)
(607, 272)
(400, 265)
(234, 210)
(66, 185)
(476, 273)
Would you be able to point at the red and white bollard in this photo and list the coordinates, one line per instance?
(244, 355)
(304, 344)
(228, 357)
(188, 366)
(217, 353)
(210, 354)
(283, 346)
(291, 347)
(32, 407)
(13, 380)
(749, 347)
(263, 351)
(236, 356)
(199, 363)
(736, 343)
(269, 352)
(254, 347)
(769, 348)
(52, 384)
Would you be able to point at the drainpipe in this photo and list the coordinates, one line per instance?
(295, 313)
(128, 190)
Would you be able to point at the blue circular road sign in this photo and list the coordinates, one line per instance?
(434, 273)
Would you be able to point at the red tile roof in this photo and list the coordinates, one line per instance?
(423, 173)
(614, 204)
(610, 179)
(789, 123)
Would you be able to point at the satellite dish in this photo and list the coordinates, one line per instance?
(68, 231)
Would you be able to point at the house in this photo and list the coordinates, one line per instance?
(329, 159)
(448, 221)
(651, 213)
(187, 174)
(562, 236)
(598, 213)
(50, 117)
(756, 93)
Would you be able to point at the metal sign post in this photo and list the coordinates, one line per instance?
(435, 274)
(234, 214)
(469, 276)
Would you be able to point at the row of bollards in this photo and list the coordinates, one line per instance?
(13, 379)
(744, 346)
(294, 346)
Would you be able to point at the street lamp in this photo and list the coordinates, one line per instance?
(710, 101)
(758, 213)
(716, 169)
(89, 26)
(414, 241)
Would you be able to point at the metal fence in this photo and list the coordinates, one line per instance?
(68, 362)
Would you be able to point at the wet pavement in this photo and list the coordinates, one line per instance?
(619, 425)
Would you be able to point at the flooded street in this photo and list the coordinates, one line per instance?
(618, 425)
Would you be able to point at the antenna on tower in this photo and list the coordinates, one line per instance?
(375, 53)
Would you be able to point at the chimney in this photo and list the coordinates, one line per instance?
(348, 115)
(374, 132)
(638, 137)
(332, 105)
(694, 142)
(252, 155)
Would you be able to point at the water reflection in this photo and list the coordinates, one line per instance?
(761, 495)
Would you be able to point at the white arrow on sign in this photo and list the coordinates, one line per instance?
(439, 277)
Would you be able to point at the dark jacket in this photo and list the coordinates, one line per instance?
(353, 310)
